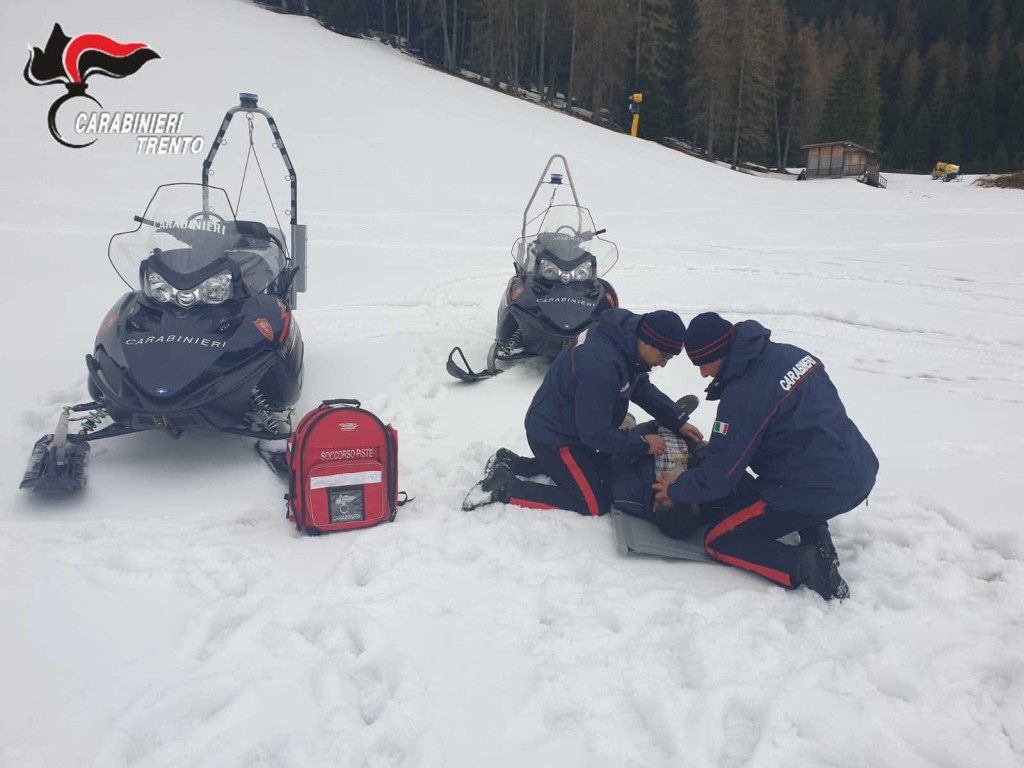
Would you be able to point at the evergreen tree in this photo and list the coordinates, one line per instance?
(346, 16)
(920, 80)
(920, 154)
(852, 106)
(760, 36)
(660, 56)
(1000, 161)
(710, 82)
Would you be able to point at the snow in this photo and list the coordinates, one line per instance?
(170, 615)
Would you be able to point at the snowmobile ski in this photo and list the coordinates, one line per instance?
(465, 373)
(57, 466)
(274, 455)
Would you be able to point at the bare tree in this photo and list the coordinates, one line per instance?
(572, 54)
(760, 36)
(709, 84)
(449, 55)
(541, 82)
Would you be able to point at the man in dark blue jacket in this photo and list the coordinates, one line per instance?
(572, 424)
(780, 415)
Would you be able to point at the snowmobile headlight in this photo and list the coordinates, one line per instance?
(158, 288)
(216, 289)
(185, 299)
(583, 272)
(548, 270)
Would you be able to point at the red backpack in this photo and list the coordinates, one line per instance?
(343, 469)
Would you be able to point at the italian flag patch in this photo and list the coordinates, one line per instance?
(720, 428)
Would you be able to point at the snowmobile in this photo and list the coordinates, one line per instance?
(204, 339)
(557, 290)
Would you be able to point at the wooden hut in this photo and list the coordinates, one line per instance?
(835, 159)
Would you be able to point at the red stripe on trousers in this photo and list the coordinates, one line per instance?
(581, 480)
(734, 521)
(529, 504)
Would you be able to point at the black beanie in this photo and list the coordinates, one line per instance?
(662, 330)
(708, 339)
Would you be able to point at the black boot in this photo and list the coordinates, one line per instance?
(688, 403)
(502, 458)
(820, 535)
(493, 488)
(818, 569)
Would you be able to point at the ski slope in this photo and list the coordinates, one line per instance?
(169, 616)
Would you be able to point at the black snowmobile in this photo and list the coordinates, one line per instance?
(204, 340)
(557, 290)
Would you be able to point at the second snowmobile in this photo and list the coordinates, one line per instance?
(558, 289)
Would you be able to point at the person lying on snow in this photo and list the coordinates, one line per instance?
(780, 415)
(631, 480)
(572, 423)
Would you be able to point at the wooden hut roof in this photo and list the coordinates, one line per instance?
(844, 144)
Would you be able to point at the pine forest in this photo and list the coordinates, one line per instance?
(745, 81)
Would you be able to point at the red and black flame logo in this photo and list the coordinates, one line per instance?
(72, 61)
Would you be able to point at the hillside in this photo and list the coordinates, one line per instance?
(170, 616)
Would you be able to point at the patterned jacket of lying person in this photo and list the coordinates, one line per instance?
(630, 479)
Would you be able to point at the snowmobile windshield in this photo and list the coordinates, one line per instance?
(190, 249)
(563, 242)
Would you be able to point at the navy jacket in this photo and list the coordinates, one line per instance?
(586, 392)
(780, 415)
(630, 484)
(630, 479)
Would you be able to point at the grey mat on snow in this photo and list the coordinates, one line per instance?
(634, 535)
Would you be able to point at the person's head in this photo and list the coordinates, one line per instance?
(677, 520)
(659, 337)
(708, 341)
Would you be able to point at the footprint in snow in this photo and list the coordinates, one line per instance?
(373, 692)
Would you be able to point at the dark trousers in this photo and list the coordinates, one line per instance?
(577, 472)
(743, 532)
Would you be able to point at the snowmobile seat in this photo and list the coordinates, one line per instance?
(185, 261)
(254, 229)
